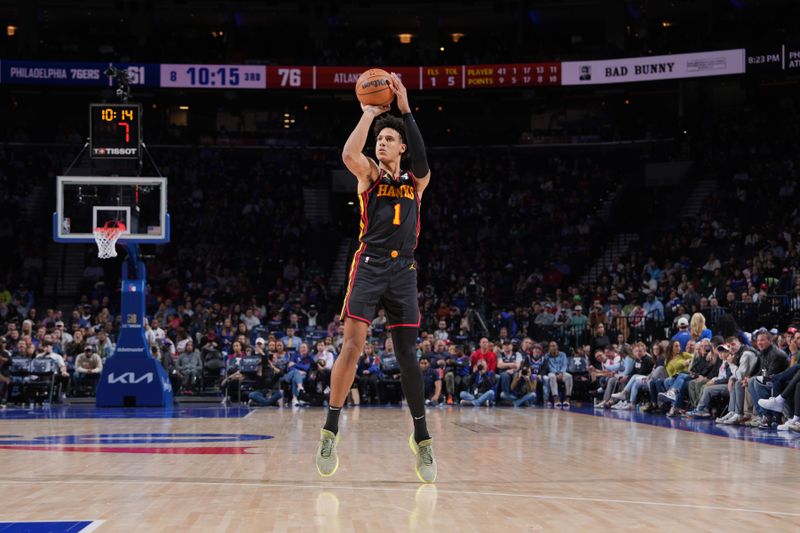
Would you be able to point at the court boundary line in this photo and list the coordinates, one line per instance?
(684, 429)
(91, 527)
(544, 497)
(94, 524)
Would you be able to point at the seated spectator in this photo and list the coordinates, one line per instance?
(153, 332)
(170, 367)
(268, 391)
(441, 333)
(484, 353)
(676, 394)
(190, 366)
(578, 367)
(682, 336)
(88, 367)
(296, 370)
(771, 361)
(316, 385)
(104, 347)
(61, 375)
(715, 362)
(75, 348)
(290, 340)
(717, 386)
(523, 387)
(482, 385)
(698, 329)
(368, 372)
(456, 374)
(432, 382)
(675, 362)
(599, 341)
(379, 322)
(788, 403)
(621, 377)
(557, 373)
(249, 319)
(323, 353)
(508, 365)
(744, 360)
(704, 363)
(642, 368)
(439, 356)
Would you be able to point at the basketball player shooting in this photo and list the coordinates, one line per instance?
(383, 268)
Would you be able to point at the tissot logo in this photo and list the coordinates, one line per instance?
(129, 378)
(116, 151)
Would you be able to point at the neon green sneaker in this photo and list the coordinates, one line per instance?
(425, 465)
(327, 458)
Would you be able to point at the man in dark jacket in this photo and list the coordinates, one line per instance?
(771, 361)
(268, 392)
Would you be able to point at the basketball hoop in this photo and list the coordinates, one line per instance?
(107, 237)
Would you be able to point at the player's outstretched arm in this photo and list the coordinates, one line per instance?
(352, 154)
(416, 146)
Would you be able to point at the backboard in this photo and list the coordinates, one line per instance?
(84, 203)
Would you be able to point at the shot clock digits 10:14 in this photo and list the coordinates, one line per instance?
(115, 131)
(125, 117)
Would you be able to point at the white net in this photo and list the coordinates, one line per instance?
(106, 238)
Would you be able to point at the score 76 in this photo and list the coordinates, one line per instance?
(290, 77)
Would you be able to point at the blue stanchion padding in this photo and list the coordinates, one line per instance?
(131, 376)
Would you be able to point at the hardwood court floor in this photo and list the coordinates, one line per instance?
(499, 470)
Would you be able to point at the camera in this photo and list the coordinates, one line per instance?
(321, 363)
(526, 371)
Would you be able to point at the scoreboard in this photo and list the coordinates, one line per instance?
(415, 78)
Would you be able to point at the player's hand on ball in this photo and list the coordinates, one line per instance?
(375, 109)
(400, 93)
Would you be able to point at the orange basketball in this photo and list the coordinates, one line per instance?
(372, 87)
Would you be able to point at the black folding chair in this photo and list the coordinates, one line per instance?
(40, 385)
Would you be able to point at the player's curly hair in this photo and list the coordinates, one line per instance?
(390, 121)
(395, 123)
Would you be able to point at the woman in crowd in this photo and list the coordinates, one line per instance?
(675, 362)
(698, 329)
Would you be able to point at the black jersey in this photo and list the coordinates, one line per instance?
(390, 213)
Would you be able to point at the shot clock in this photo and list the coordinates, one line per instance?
(115, 131)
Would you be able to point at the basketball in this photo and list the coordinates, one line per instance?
(372, 88)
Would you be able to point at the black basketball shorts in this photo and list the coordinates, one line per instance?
(378, 278)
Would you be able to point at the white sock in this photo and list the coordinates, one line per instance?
(795, 418)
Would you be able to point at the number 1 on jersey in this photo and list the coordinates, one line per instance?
(396, 220)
